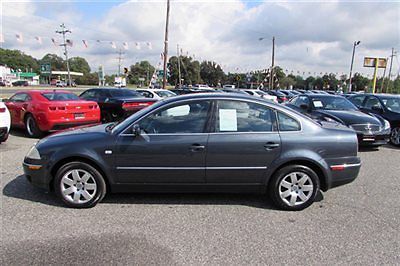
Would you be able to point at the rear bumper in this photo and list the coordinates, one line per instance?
(344, 172)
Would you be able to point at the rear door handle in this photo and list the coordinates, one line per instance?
(271, 145)
(197, 147)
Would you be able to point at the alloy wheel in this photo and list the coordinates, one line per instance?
(395, 136)
(296, 188)
(29, 125)
(78, 186)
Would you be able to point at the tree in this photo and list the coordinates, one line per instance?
(17, 60)
(309, 83)
(360, 82)
(79, 64)
(211, 73)
(142, 69)
(57, 63)
(190, 70)
(330, 81)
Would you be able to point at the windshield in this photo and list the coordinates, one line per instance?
(60, 96)
(392, 103)
(164, 94)
(124, 93)
(332, 103)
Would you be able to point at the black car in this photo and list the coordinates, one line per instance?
(116, 104)
(385, 105)
(289, 94)
(371, 129)
(281, 97)
(216, 142)
(20, 83)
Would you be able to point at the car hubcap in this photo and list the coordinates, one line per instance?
(296, 188)
(78, 186)
(29, 125)
(395, 136)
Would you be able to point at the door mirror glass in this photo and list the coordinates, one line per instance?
(136, 130)
(377, 108)
(304, 107)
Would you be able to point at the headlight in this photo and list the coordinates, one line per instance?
(387, 125)
(33, 153)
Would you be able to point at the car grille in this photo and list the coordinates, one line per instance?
(367, 128)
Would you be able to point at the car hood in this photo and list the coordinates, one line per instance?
(350, 117)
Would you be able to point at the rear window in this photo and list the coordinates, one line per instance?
(124, 93)
(60, 96)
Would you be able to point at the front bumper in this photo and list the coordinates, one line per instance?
(36, 173)
(3, 132)
(373, 139)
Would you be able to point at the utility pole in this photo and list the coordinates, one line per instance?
(120, 53)
(352, 61)
(179, 66)
(383, 78)
(166, 48)
(271, 79)
(64, 31)
(390, 70)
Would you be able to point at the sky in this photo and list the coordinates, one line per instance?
(311, 36)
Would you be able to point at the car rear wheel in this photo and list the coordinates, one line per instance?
(395, 136)
(79, 185)
(294, 187)
(32, 128)
(4, 138)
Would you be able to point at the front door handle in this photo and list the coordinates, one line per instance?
(271, 145)
(197, 147)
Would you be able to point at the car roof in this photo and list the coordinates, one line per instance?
(43, 91)
(320, 95)
(381, 95)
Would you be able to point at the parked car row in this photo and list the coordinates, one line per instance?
(374, 117)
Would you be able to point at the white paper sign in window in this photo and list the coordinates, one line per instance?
(318, 104)
(227, 120)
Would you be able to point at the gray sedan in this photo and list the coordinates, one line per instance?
(199, 143)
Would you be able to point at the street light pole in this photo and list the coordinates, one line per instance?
(272, 64)
(352, 61)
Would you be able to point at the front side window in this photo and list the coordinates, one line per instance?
(392, 103)
(238, 116)
(286, 123)
(357, 100)
(372, 102)
(183, 118)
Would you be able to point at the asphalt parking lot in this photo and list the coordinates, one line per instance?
(355, 224)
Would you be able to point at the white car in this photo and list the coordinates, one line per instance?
(157, 94)
(262, 94)
(5, 121)
(228, 86)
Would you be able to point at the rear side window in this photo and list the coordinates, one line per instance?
(60, 96)
(238, 116)
(287, 123)
(124, 93)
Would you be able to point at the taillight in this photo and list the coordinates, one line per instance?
(136, 104)
(2, 110)
(284, 99)
(93, 106)
(54, 108)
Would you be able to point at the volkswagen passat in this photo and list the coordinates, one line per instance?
(199, 143)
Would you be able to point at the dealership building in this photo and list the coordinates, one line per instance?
(9, 76)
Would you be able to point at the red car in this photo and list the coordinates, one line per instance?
(40, 111)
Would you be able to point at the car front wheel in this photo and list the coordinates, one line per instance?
(294, 187)
(395, 136)
(79, 185)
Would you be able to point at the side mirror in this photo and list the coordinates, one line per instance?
(377, 109)
(136, 130)
(304, 107)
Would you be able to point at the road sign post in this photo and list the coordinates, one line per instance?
(376, 63)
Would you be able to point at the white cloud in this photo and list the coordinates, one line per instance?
(310, 37)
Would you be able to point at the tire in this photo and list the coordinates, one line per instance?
(294, 187)
(395, 136)
(4, 138)
(31, 127)
(106, 117)
(79, 185)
